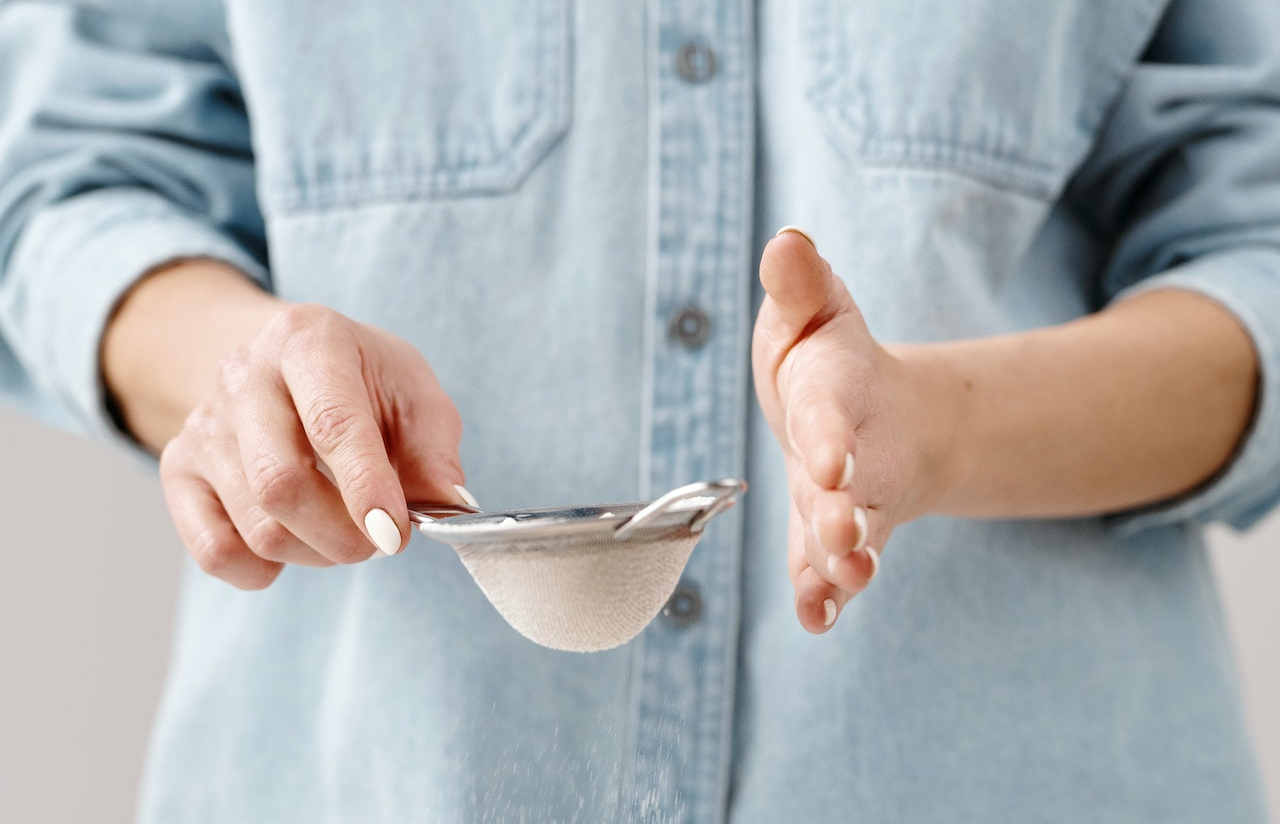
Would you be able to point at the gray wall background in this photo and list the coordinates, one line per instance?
(88, 571)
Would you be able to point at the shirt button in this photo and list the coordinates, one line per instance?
(684, 606)
(691, 327)
(695, 62)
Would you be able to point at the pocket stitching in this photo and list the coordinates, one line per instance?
(843, 120)
(364, 174)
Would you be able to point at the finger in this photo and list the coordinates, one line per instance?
(802, 290)
(272, 540)
(211, 539)
(423, 436)
(818, 603)
(855, 570)
(840, 525)
(822, 431)
(289, 511)
(807, 306)
(264, 534)
(332, 401)
(803, 540)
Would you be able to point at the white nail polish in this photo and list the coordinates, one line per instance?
(466, 496)
(798, 231)
(860, 521)
(382, 531)
(828, 612)
(875, 562)
(833, 561)
(846, 476)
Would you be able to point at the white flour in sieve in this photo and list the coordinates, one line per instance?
(579, 597)
(581, 579)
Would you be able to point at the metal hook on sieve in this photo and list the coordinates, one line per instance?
(722, 494)
(425, 513)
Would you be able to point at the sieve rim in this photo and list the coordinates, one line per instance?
(687, 513)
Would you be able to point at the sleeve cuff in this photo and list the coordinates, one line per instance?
(71, 267)
(1247, 284)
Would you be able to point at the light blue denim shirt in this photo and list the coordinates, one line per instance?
(562, 205)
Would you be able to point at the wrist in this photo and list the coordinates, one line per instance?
(161, 348)
(929, 399)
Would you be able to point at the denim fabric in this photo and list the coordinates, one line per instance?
(531, 191)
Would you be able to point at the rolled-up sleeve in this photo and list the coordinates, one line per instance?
(124, 145)
(1185, 182)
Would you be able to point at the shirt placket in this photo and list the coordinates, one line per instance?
(699, 274)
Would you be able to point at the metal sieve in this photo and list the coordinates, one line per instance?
(582, 578)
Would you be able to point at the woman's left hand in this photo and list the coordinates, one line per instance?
(833, 397)
(1139, 403)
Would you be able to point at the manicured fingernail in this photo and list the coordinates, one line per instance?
(828, 612)
(875, 562)
(860, 522)
(846, 476)
(382, 531)
(467, 497)
(796, 230)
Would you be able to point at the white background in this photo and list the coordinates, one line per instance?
(88, 572)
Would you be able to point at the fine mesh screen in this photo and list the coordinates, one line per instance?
(582, 596)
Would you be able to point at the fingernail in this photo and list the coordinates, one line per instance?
(828, 612)
(860, 521)
(846, 476)
(467, 497)
(875, 562)
(796, 230)
(382, 531)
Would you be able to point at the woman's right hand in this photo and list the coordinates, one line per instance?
(312, 436)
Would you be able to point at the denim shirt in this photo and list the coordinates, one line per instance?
(562, 206)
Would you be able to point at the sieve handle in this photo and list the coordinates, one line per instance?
(722, 494)
(426, 513)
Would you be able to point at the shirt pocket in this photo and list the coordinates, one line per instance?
(1011, 93)
(356, 103)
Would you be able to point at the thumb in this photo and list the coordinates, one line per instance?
(802, 289)
(423, 441)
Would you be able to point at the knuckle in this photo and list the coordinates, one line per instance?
(219, 554)
(301, 324)
(187, 451)
(330, 422)
(269, 540)
(202, 424)
(214, 552)
(233, 373)
(169, 464)
(361, 481)
(276, 486)
(294, 320)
